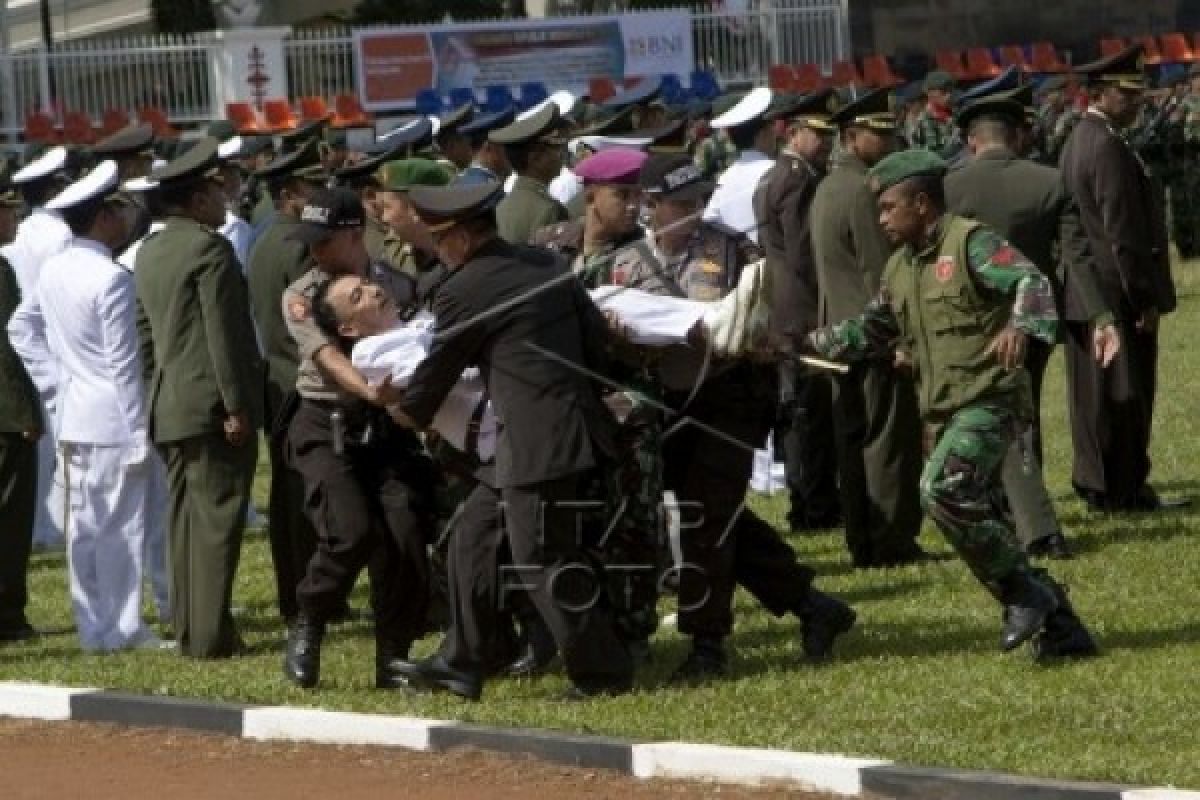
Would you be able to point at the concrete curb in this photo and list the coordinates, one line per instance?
(851, 777)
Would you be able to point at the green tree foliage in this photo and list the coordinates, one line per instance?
(183, 16)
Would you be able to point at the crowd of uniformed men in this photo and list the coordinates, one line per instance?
(160, 315)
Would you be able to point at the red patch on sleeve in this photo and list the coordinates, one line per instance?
(943, 270)
(298, 310)
(1005, 256)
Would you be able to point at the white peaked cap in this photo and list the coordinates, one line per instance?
(748, 109)
(98, 183)
(48, 163)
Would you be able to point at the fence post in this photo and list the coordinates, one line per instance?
(773, 36)
(845, 45)
(47, 102)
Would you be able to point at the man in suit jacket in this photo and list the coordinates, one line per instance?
(20, 429)
(88, 303)
(204, 376)
(1121, 208)
(783, 202)
(1029, 205)
(520, 316)
(874, 407)
(275, 263)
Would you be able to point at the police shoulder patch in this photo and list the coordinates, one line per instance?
(943, 270)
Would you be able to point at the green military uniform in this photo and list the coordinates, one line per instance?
(715, 154)
(934, 128)
(875, 414)
(202, 365)
(375, 235)
(945, 302)
(529, 206)
(20, 412)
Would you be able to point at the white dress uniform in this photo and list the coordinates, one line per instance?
(89, 304)
(41, 235)
(731, 207)
(154, 550)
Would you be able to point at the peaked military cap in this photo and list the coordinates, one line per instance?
(411, 136)
(365, 170)
(54, 161)
(304, 163)
(872, 110)
(996, 105)
(940, 80)
(221, 130)
(255, 145)
(407, 173)
(442, 207)
(544, 126)
(618, 122)
(670, 137)
(98, 185)
(1022, 95)
(1125, 70)
(814, 110)
(132, 140)
(751, 108)
(453, 120)
(674, 177)
(483, 124)
(295, 139)
(641, 93)
(1053, 83)
(199, 161)
(1005, 81)
(899, 167)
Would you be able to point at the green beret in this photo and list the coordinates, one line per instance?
(899, 167)
(402, 175)
(939, 80)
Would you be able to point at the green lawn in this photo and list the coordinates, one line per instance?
(921, 680)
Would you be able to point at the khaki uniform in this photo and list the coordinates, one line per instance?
(526, 209)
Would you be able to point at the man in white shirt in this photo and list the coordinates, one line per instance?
(731, 207)
(88, 303)
(41, 235)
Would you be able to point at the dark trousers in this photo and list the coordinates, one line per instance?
(805, 434)
(878, 431)
(539, 523)
(208, 481)
(292, 538)
(370, 506)
(1112, 411)
(18, 500)
(708, 463)
(1037, 358)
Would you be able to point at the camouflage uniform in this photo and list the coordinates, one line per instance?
(1185, 204)
(935, 133)
(973, 411)
(716, 154)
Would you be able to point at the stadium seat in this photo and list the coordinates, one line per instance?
(704, 85)
(78, 128)
(313, 109)
(39, 127)
(1012, 55)
(429, 103)
(845, 73)
(877, 73)
(245, 119)
(600, 89)
(114, 120)
(461, 96)
(1176, 50)
(950, 61)
(157, 119)
(1110, 47)
(497, 98)
(809, 79)
(532, 94)
(981, 65)
(781, 77)
(1046, 59)
(349, 113)
(1150, 51)
(280, 117)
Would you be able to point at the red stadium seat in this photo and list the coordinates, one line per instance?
(600, 89)
(279, 116)
(781, 77)
(245, 119)
(809, 78)
(114, 120)
(950, 61)
(1045, 58)
(1110, 47)
(845, 73)
(348, 113)
(78, 128)
(1150, 51)
(157, 119)
(1012, 55)
(313, 109)
(1176, 50)
(39, 127)
(877, 72)
(980, 63)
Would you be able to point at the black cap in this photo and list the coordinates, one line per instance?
(1005, 81)
(1125, 70)
(641, 93)
(132, 140)
(815, 110)
(303, 163)
(255, 145)
(363, 172)
(222, 130)
(297, 138)
(327, 212)
(996, 105)
(674, 177)
(441, 207)
(671, 137)
(199, 161)
(453, 120)
(544, 125)
(874, 111)
(409, 137)
(483, 124)
(612, 124)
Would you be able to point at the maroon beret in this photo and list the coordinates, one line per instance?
(615, 165)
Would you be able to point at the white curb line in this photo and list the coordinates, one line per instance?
(338, 727)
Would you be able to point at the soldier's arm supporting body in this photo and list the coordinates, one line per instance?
(870, 335)
(1000, 267)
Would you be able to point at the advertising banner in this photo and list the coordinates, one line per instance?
(395, 63)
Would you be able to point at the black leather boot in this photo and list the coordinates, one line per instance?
(391, 662)
(1028, 603)
(822, 620)
(706, 661)
(1064, 635)
(302, 662)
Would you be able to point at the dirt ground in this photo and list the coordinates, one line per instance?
(47, 761)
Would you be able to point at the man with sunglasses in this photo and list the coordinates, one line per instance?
(204, 376)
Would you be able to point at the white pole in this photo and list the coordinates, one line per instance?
(6, 74)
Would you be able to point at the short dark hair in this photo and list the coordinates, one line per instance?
(929, 185)
(82, 217)
(993, 128)
(518, 156)
(178, 195)
(743, 136)
(41, 191)
(324, 315)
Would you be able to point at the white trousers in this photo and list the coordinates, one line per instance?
(106, 517)
(154, 549)
(48, 516)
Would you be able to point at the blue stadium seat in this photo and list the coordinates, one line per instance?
(498, 98)
(532, 94)
(461, 96)
(673, 91)
(704, 84)
(429, 102)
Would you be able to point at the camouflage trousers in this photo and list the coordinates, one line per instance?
(1184, 189)
(961, 491)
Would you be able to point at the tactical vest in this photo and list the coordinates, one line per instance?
(947, 322)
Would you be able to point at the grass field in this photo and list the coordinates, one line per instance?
(920, 680)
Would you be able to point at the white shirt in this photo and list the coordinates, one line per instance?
(89, 303)
(41, 235)
(240, 234)
(565, 186)
(731, 207)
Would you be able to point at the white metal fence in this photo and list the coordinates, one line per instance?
(176, 73)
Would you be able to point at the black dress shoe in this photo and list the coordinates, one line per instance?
(1054, 546)
(707, 661)
(390, 662)
(302, 662)
(21, 632)
(822, 620)
(435, 673)
(1096, 502)
(1064, 635)
(1027, 606)
(532, 663)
